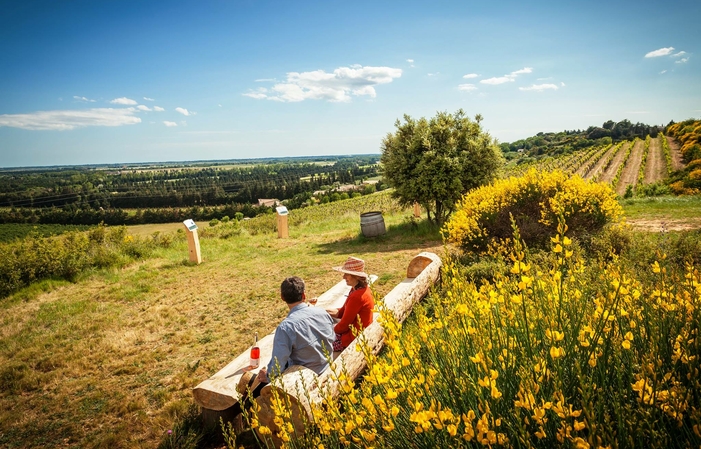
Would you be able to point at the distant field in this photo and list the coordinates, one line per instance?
(149, 229)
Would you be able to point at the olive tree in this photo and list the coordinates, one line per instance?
(434, 162)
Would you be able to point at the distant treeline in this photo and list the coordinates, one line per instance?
(175, 187)
(564, 142)
(73, 214)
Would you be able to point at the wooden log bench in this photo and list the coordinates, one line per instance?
(302, 386)
(218, 393)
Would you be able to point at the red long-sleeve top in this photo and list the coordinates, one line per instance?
(358, 305)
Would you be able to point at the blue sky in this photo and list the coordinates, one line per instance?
(86, 82)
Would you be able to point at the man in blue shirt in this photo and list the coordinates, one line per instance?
(305, 337)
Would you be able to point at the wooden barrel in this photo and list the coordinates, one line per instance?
(372, 224)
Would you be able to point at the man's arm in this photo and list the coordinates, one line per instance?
(282, 349)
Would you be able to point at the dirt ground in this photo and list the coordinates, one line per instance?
(664, 225)
(677, 162)
(629, 175)
(656, 166)
(581, 171)
(610, 172)
(599, 165)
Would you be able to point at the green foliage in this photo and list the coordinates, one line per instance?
(435, 161)
(12, 231)
(567, 142)
(655, 189)
(23, 262)
(629, 192)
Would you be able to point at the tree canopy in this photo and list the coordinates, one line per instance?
(434, 162)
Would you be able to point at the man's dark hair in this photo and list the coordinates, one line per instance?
(292, 289)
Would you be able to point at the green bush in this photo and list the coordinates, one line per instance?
(23, 262)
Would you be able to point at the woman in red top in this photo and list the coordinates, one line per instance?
(356, 313)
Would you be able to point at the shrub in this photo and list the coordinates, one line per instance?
(23, 262)
(535, 201)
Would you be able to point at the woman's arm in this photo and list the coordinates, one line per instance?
(349, 313)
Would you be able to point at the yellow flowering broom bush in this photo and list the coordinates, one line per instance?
(556, 353)
(535, 201)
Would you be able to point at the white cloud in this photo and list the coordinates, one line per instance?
(660, 52)
(663, 72)
(183, 111)
(498, 80)
(410, 61)
(87, 100)
(522, 71)
(141, 107)
(265, 80)
(562, 84)
(681, 61)
(158, 109)
(539, 87)
(70, 119)
(123, 100)
(259, 94)
(470, 75)
(467, 87)
(510, 78)
(169, 124)
(681, 53)
(149, 99)
(338, 86)
(433, 74)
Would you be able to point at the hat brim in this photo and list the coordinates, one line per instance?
(360, 274)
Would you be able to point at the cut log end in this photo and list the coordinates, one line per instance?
(417, 265)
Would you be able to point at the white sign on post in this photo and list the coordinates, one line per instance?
(193, 241)
(190, 224)
(282, 232)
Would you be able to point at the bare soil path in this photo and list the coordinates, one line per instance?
(582, 170)
(664, 225)
(629, 175)
(674, 146)
(613, 168)
(656, 167)
(599, 165)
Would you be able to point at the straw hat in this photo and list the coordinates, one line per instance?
(248, 381)
(353, 266)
